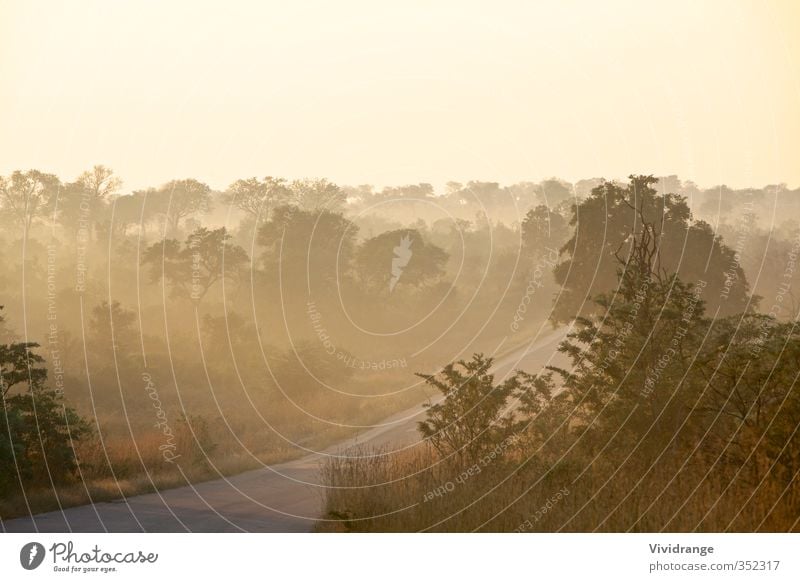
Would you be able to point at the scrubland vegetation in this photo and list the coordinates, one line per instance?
(680, 411)
(177, 333)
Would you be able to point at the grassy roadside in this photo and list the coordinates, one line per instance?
(120, 467)
(350, 479)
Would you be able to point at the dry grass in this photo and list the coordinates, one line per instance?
(121, 467)
(128, 459)
(392, 492)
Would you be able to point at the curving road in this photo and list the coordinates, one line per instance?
(278, 498)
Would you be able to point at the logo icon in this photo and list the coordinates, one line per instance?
(31, 555)
(402, 254)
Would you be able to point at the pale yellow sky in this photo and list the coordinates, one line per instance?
(401, 92)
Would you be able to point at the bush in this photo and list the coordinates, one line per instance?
(37, 430)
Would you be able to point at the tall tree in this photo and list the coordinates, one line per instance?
(205, 258)
(553, 192)
(258, 197)
(317, 195)
(635, 351)
(401, 257)
(305, 247)
(83, 203)
(124, 211)
(26, 197)
(100, 182)
(179, 199)
(543, 228)
(604, 224)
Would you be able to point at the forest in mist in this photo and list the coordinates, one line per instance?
(178, 333)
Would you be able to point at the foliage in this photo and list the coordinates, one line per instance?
(306, 245)
(37, 431)
(603, 224)
(473, 415)
(317, 195)
(178, 200)
(25, 197)
(258, 197)
(543, 228)
(205, 258)
(374, 259)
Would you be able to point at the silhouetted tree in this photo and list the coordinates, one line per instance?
(26, 197)
(37, 431)
(553, 192)
(193, 268)
(258, 197)
(124, 211)
(604, 223)
(82, 204)
(473, 415)
(543, 228)
(399, 257)
(303, 247)
(317, 195)
(179, 199)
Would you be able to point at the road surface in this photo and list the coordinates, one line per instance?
(280, 498)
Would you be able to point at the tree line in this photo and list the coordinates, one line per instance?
(181, 274)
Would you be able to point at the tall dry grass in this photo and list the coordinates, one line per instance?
(384, 491)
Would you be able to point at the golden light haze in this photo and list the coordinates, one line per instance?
(394, 93)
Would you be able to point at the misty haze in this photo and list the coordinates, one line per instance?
(526, 268)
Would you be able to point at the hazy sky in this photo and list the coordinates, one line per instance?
(394, 93)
